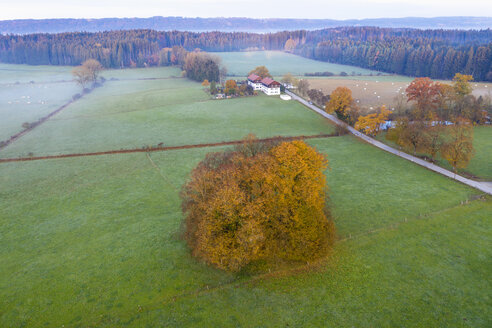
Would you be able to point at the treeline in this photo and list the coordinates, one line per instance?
(433, 53)
(117, 49)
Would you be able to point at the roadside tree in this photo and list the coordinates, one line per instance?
(371, 124)
(458, 146)
(342, 103)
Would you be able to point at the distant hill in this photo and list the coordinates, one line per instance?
(27, 26)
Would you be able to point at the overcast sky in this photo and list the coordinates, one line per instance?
(339, 9)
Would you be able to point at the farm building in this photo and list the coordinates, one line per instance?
(267, 85)
(254, 81)
(270, 87)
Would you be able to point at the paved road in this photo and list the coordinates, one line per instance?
(482, 186)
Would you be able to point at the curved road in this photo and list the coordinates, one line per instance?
(482, 186)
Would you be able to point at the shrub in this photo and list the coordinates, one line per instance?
(341, 130)
(260, 202)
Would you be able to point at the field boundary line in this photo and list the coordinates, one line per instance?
(160, 172)
(474, 184)
(40, 121)
(162, 148)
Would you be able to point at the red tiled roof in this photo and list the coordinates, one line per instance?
(269, 82)
(254, 78)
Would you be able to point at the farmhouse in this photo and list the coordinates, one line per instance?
(254, 81)
(267, 85)
(270, 87)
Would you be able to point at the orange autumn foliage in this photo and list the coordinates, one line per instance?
(230, 87)
(370, 124)
(259, 202)
(342, 103)
(425, 93)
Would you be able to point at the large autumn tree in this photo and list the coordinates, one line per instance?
(261, 71)
(342, 103)
(259, 202)
(425, 94)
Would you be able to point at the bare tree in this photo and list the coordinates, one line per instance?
(87, 73)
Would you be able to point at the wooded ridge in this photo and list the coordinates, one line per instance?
(437, 54)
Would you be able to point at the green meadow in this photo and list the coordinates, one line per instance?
(95, 241)
(26, 103)
(280, 63)
(135, 113)
(480, 165)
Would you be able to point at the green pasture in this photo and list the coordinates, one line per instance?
(280, 63)
(13, 74)
(26, 103)
(480, 165)
(95, 242)
(173, 111)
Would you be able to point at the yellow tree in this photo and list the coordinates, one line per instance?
(230, 87)
(462, 88)
(461, 85)
(205, 83)
(94, 67)
(432, 140)
(445, 100)
(412, 136)
(370, 124)
(82, 76)
(394, 134)
(261, 71)
(259, 202)
(458, 148)
(290, 45)
(87, 73)
(342, 103)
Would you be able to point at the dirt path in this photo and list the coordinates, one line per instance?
(148, 150)
(485, 187)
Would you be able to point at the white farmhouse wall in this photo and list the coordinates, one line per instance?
(270, 91)
(255, 86)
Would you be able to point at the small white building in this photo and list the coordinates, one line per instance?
(285, 97)
(255, 82)
(270, 87)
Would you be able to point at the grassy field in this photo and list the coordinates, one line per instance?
(20, 103)
(174, 111)
(13, 74)
(280, 63)
(375, 91)
(480, 165)
(95, 241)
